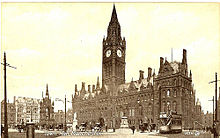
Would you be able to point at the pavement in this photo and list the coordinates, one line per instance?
(118, 134)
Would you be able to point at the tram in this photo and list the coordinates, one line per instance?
(170, 123)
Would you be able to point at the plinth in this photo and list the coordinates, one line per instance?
(124, 128)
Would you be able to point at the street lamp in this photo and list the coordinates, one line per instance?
(213, 110)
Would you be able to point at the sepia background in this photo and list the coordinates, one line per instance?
(61, 43)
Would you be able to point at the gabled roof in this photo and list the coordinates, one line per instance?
(135, 84)
(175, 66)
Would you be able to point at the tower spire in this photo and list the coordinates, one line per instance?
(114, 15)
(114, 29)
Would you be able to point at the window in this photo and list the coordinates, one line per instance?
(174, 93)
(168, 93)
(132, 112)
(140, 110)
(121, 114)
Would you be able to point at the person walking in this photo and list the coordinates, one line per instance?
(133, 129)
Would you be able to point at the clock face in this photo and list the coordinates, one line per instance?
(108, 53)
(119, 53)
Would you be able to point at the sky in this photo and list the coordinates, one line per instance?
(61, 44)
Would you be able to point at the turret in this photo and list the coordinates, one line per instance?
(82, 92)
(184, 60)
(76, 91)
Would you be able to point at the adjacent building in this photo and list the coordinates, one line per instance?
(60, 117)
(198, 116)
(27, 110)
(140, 100)
(11, 114)
(208, 120)
(47, 111)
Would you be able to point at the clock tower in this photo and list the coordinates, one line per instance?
(113, 54)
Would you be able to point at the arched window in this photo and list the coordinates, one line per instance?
(140, 110)
(174, 93)
(174, 82)
(168, 93)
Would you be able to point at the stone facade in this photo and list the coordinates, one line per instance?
(140, 100)
(198, 116)
(208, 120)
(174, 89)
(28, 110)
(11, 113)
(59, 116)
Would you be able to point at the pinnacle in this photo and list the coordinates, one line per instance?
(114, 15)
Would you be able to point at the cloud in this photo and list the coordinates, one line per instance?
(24, 52)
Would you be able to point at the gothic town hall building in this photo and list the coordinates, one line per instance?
(140, 100)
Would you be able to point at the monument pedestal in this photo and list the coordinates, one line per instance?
(124, 128)
(30, 130)
(74, 125)
(74, 122)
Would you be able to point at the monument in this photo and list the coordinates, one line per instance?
(124, 128)
(74, 121)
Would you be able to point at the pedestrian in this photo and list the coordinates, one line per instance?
(106, 128)
(133, 129)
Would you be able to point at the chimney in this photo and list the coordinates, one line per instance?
(76, 88)
(47, 91)
(149, 72)
(89, 90)
(98, 84)
(184, 60)
(93, 88)
(141, 74)
(161, 61)
(14, 99)
(83, 86)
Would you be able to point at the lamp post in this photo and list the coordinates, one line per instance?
(213, 100)
(65, 116)
(216, 106)
(5, 97)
